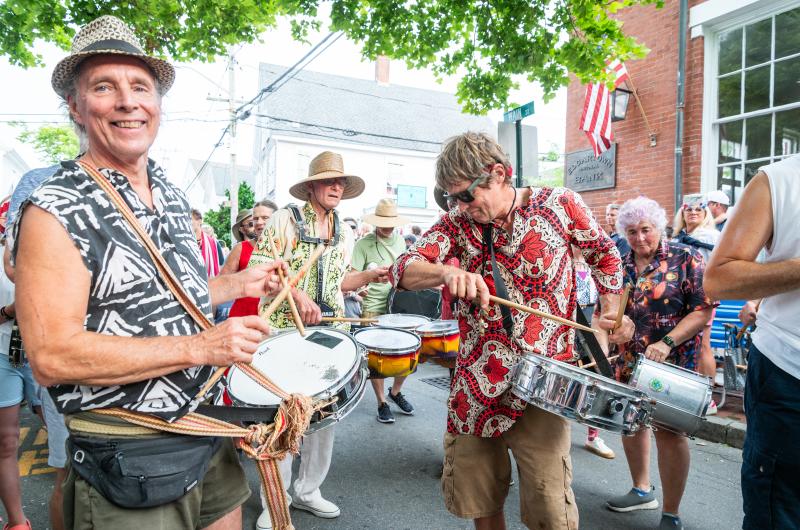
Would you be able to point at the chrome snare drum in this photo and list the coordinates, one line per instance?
(325, 364)
(579, 395)
(682, 396)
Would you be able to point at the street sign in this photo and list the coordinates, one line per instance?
(518, 113)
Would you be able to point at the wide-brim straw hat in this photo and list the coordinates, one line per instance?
(240, 217)
(386, 216)
(108, 35)
(328, 165)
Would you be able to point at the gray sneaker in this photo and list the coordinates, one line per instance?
(670, 522)
(633, 500)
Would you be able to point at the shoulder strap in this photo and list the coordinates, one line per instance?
(166, 273)
(499, 284)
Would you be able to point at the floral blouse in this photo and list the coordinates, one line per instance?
(535, 263)
(669, 288)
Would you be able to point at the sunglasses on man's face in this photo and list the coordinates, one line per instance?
(464, 195)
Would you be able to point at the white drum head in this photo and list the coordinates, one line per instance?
(306, 365)
(402, 321)
(388, 340)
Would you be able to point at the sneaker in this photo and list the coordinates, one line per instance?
(385, 413)
(599, 447)
(320, 507)
(633, 500)
(264, 521)
(712, 408)
(670, 522)
(401, 401)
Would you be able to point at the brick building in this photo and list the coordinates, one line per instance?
(742, 99)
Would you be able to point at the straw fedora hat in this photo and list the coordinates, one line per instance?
(385, 215)
(328, 165)
(108, 35)
(242, 215)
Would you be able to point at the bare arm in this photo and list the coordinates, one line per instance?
(732, 271)
(462, 284)
(7, 262)
(52, 293)
(356, 279)
(232, 261)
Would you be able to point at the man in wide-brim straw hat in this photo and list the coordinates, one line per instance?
(377, 251)
(116, 336)
(295, 232)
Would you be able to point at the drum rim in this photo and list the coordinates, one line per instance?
(452, 330)
(388, 351)
(401, 315)
(642, 360)
(333, 389)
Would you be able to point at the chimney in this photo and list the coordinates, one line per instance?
(382, 70)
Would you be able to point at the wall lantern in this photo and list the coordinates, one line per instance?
(619, 103)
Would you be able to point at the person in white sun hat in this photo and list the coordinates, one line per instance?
(719, 202)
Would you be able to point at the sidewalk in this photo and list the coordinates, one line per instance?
(728, 426)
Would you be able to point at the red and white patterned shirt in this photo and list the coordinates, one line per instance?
(535, 263)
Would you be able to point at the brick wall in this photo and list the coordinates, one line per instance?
(641, 169)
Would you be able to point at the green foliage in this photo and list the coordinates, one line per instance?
(54, 143)
(490, 45)
(220, 218)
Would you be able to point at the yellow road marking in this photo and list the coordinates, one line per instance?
(41, 437)
(23, 433)
(27, 461)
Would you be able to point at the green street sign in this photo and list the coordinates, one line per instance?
(518, 113)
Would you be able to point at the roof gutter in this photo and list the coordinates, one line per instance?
(682, 30)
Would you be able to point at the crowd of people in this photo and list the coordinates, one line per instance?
(123, 338)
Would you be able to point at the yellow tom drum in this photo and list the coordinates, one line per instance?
(391, 352)
(440, 339)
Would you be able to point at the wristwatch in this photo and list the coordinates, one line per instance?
(666, 339)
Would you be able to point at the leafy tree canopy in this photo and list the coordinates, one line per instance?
(220, 218)
(488, 43)
(53, 142)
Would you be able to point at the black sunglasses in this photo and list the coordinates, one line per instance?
(464, 195)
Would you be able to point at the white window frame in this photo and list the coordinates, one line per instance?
(709, 20)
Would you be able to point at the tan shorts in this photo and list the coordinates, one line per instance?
(223, 489)
(477, 472)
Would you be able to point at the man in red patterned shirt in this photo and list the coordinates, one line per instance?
(529, 231)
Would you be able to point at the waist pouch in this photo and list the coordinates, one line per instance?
(142, 472)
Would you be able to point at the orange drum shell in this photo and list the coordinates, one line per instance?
(382, 366)
(442, 346)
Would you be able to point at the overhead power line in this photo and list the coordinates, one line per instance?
(347, 132)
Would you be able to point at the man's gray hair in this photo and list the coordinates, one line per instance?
(638, 210)
(465, 158)
(612, 206)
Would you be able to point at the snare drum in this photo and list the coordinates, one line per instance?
(391, 352)
(579, 395)
(325, 364)
(682, 396)
(402, 321)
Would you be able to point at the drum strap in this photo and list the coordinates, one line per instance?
(591, 344)
(265, 443)
(499, 284)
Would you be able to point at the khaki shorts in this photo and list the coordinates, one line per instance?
(223, 489)
(477, 472)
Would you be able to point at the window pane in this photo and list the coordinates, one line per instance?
(730, 93)
(756, 89)
(730, 51)
(759, 42)
(759, 136)
(729, 179)
(750, 170)
(730, 142)
(787, 132)
(786, 25)
(787, 81)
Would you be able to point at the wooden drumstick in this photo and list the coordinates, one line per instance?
(526, 309)
(593, 363)
(298, 322)
(354, 320)
(267, 313)
(623, 301)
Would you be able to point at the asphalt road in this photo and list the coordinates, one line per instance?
(387, 476)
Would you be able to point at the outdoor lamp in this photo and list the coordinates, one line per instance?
(619, 103)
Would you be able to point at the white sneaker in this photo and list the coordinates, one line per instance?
(712, 409)
(599, 447)
(320, 507)
(264, 521)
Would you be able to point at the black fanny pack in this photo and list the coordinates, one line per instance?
(142, 472)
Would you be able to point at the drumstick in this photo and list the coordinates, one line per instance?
(526, 309)
(593, 363)
(266, 314)
(623, 301)
(298, 322)
(345, 319)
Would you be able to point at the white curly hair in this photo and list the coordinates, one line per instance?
(634, 211)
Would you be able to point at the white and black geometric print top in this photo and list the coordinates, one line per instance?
(127, 298)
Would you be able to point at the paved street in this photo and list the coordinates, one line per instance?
(386, 476)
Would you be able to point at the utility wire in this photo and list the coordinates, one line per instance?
(350, 132)
(216, 146)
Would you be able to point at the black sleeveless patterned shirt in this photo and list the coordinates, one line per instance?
(127, 298)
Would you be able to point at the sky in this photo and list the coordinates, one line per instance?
(192, 124)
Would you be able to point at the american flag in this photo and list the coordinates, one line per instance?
(596, 117)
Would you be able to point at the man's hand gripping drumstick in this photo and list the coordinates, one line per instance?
(298, 322)
(620, 328)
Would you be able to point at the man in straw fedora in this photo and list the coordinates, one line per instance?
(515, 244)
(293, 233)
(377, 251)
(117, 336)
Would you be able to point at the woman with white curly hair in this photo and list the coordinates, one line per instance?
(669, 309)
